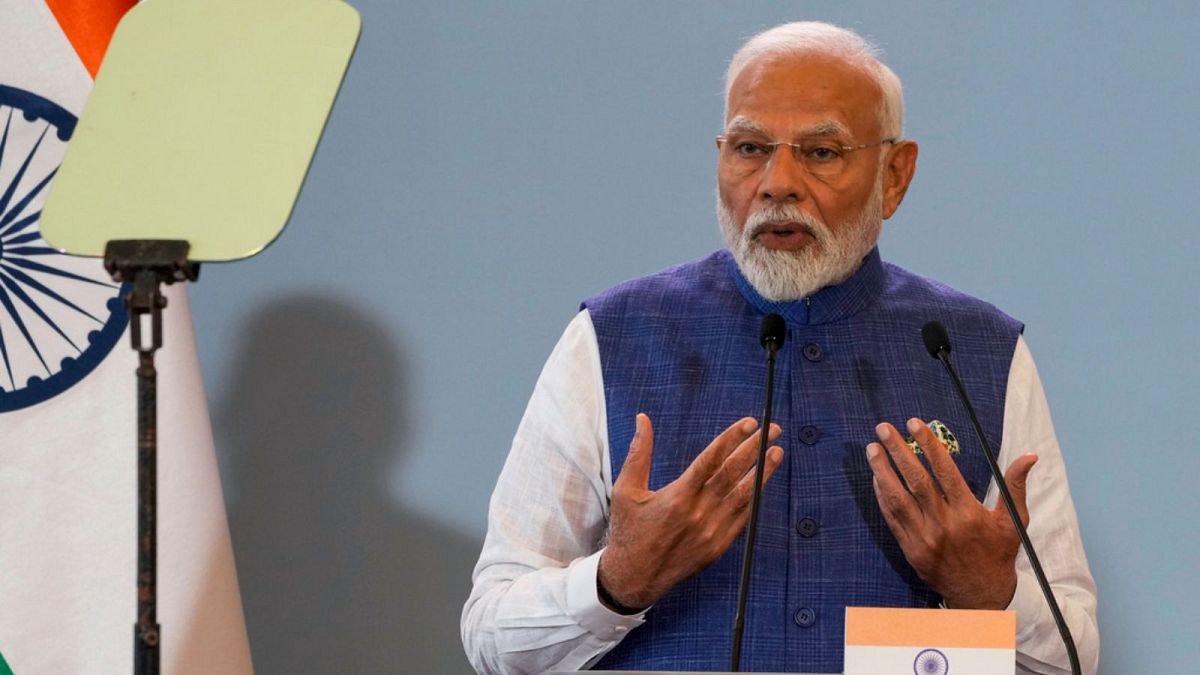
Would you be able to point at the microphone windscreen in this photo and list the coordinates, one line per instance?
(773, 330)
(936, 339)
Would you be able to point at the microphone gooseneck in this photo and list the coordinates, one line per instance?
(771, 335)
(937, 343)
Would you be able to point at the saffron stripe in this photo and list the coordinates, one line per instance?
(894, 627)
(89, 25)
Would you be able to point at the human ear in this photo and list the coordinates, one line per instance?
(898, 170)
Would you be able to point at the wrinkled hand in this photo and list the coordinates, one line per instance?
(659, 538)
(963, 550)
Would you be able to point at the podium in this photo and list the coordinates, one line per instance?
(908, 640)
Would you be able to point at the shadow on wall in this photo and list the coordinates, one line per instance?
(335, 577)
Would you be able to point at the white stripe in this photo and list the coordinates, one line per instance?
(900, 660)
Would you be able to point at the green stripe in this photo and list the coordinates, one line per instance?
(4, 669)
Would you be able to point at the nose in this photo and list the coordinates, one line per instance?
(784, 178)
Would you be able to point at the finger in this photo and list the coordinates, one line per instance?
(918, 480)
(735, 511)
(899, 508)
(636, 470)
(739, 497)
(738, 463)
(710, 460)
(1016, 477)
(944, 468)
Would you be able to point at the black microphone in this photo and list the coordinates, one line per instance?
(771, 336)
(937, 343)
(936, 339)
(772, 332)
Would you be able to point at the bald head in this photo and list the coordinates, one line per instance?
(816, 39)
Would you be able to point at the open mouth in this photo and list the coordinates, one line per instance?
(781, 231)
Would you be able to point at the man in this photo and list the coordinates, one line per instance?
(611, 530)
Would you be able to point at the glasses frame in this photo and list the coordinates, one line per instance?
(774, 145)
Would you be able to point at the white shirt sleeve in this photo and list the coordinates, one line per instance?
(533, 605)
(1053, 530)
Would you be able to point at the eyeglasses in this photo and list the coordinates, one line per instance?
(822, 157)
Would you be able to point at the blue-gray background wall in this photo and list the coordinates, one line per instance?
(490, 164)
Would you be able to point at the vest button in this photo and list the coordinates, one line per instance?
(807, 527)
(810, 434)
(805, 617)
(812, 352)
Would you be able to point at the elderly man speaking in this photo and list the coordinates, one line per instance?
(611, 529)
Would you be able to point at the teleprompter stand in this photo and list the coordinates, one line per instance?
(147, 264)
(156, 189)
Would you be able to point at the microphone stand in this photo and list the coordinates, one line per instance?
(943, 355)
(148, 263)
(772, 345)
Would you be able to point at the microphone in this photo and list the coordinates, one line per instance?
(771, 335)
(936, 340)
(937, 343)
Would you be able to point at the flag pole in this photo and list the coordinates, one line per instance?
(147, 263)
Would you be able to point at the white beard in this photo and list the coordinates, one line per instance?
(833, 256)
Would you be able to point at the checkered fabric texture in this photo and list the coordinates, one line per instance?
(683, 346)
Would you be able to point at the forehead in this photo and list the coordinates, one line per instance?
(790, 94)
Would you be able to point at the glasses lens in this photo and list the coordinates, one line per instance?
(745, 154)
(822, 157)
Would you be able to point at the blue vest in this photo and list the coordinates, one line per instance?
(683, 346)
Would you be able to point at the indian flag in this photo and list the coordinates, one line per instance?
(68, 483)
(930, 641)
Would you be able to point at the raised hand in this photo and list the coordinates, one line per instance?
(963, 550)
(661, 537)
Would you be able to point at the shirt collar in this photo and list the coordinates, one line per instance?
(826, 305)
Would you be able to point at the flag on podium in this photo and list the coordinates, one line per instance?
(68, 483)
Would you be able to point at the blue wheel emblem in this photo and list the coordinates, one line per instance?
(60, 315)
(931, 662)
